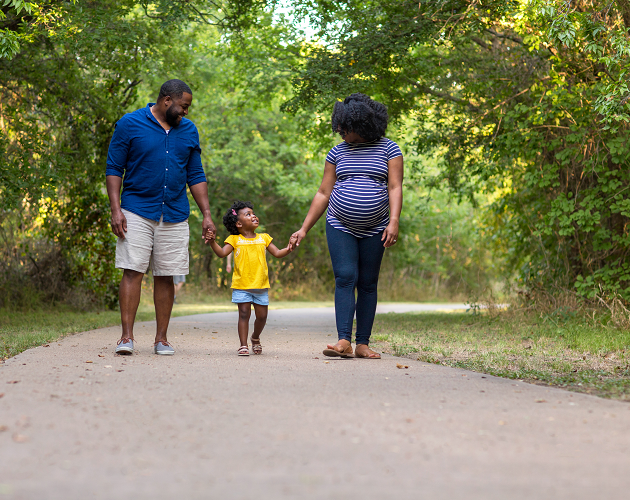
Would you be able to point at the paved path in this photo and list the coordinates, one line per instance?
(81, 423)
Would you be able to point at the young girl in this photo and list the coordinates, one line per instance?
(250, 282)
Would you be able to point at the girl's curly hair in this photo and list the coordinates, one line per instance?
(361, 115)
(231, 216)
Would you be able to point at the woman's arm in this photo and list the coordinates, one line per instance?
(395, 172)
(318, 205)
(273, 250)
(221, 252)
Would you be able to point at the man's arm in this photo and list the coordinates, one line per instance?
(119, 221)
(116, 164)
(196, 180)
(200, 194)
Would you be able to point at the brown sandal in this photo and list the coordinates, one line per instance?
(334, 353)
(256, 348)
(371, 355)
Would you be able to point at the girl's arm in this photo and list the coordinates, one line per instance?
(221, 252)
(318, 205)
(394, 188)
(273, 250)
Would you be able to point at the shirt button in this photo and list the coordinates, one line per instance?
(167, 152)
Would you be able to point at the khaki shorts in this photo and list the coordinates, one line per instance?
(162, 246)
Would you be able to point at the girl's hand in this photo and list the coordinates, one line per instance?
(296, 238)
(209, 236)
(390, 235)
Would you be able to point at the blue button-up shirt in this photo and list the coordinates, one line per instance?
(156, 165)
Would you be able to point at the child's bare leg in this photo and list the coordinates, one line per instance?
(261, 320)
(244, 312)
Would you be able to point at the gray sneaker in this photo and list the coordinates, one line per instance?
(124, 346)
(163, 348)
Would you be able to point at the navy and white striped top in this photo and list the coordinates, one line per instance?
(359, 202)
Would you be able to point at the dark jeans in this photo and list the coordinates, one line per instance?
(356, 263)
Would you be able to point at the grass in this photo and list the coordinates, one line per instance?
(21, 330)
(572, 352)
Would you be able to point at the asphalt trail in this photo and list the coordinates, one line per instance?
(80, 422)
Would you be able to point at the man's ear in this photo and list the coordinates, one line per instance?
(168, 101)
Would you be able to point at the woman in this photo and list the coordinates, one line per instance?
(362, 189)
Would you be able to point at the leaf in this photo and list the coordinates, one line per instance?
(20, 438)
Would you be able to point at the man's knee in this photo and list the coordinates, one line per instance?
(244, 313)
(168, 280)
(131, 276)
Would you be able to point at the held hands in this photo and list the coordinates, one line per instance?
(119, 223)
(390, 235)
(295, 239)
(208, 230)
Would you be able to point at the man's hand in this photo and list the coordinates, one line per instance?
(119, 223)
(208, 230)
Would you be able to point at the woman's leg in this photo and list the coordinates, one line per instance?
(370, 256)
(344, 254)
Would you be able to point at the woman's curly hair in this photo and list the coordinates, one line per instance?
(361, 115)
(231, 216)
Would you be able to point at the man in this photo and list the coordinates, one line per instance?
(157, 151)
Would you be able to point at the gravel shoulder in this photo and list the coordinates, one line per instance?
(80, 422)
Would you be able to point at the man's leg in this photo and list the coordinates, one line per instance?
(163, 292)
(129, 296)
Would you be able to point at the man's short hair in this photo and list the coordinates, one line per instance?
(174, 88)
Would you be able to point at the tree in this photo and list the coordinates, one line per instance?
(524, 101)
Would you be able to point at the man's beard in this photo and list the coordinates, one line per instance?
(172, 118)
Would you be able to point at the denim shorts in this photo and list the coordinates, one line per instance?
(260, 297)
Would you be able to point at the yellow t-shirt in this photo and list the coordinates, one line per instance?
(250, 262)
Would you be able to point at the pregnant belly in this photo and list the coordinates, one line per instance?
(362, 204)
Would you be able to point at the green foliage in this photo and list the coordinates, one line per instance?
(524, 102)
(59, 100)
(82, 65)
(570, 351)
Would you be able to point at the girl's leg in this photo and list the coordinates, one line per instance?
(344, 254)
(261, 320)
(370, 256)
(244, 312)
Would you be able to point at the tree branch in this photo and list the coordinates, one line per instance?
(443, 95)
(514, 38)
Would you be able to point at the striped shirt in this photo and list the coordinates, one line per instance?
(359, 202)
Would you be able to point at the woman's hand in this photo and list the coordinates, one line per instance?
(296, 238)
(390, 235)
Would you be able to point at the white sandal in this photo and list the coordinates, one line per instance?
(243, 351)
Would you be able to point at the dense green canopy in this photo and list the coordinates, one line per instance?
(512, 115)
